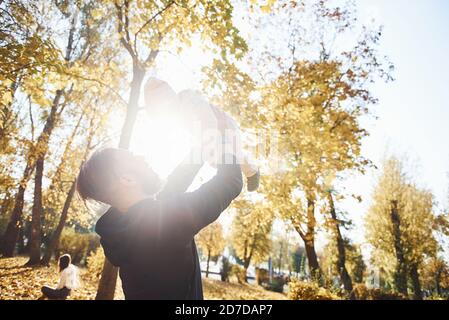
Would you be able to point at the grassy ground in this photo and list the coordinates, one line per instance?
(18, 282)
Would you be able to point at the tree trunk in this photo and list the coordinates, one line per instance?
(312, 260)
(41, 150)
(400, 277)
(207, 266)
(417, 292)
(57, 233)
(280, 258)
(133, 107)
(246, 266)
(437, 281)
(341, 259)
(309, 241)
(247, 260)
(12, 230)
(106, 287)
(35, 234)
(21, 247)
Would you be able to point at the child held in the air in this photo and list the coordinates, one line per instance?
(193, 108)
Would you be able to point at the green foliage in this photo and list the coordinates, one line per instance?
(435, 296)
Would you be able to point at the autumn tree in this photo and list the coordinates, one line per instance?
(400, 227)
(212, 242)
(24, 53)
(251, 232)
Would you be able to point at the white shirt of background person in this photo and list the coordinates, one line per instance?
(69, 278)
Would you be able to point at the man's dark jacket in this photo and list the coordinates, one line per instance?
(153, 242)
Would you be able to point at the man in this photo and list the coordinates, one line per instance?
(149, 234)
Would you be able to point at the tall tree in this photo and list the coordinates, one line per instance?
(23, 53)
(401, 227)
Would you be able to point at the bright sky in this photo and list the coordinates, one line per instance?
(413, 111)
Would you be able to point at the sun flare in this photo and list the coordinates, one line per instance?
(162, 141)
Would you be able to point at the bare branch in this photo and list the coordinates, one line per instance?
(127, 21)
(300, 230)
(123, 41)
(31, 118)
